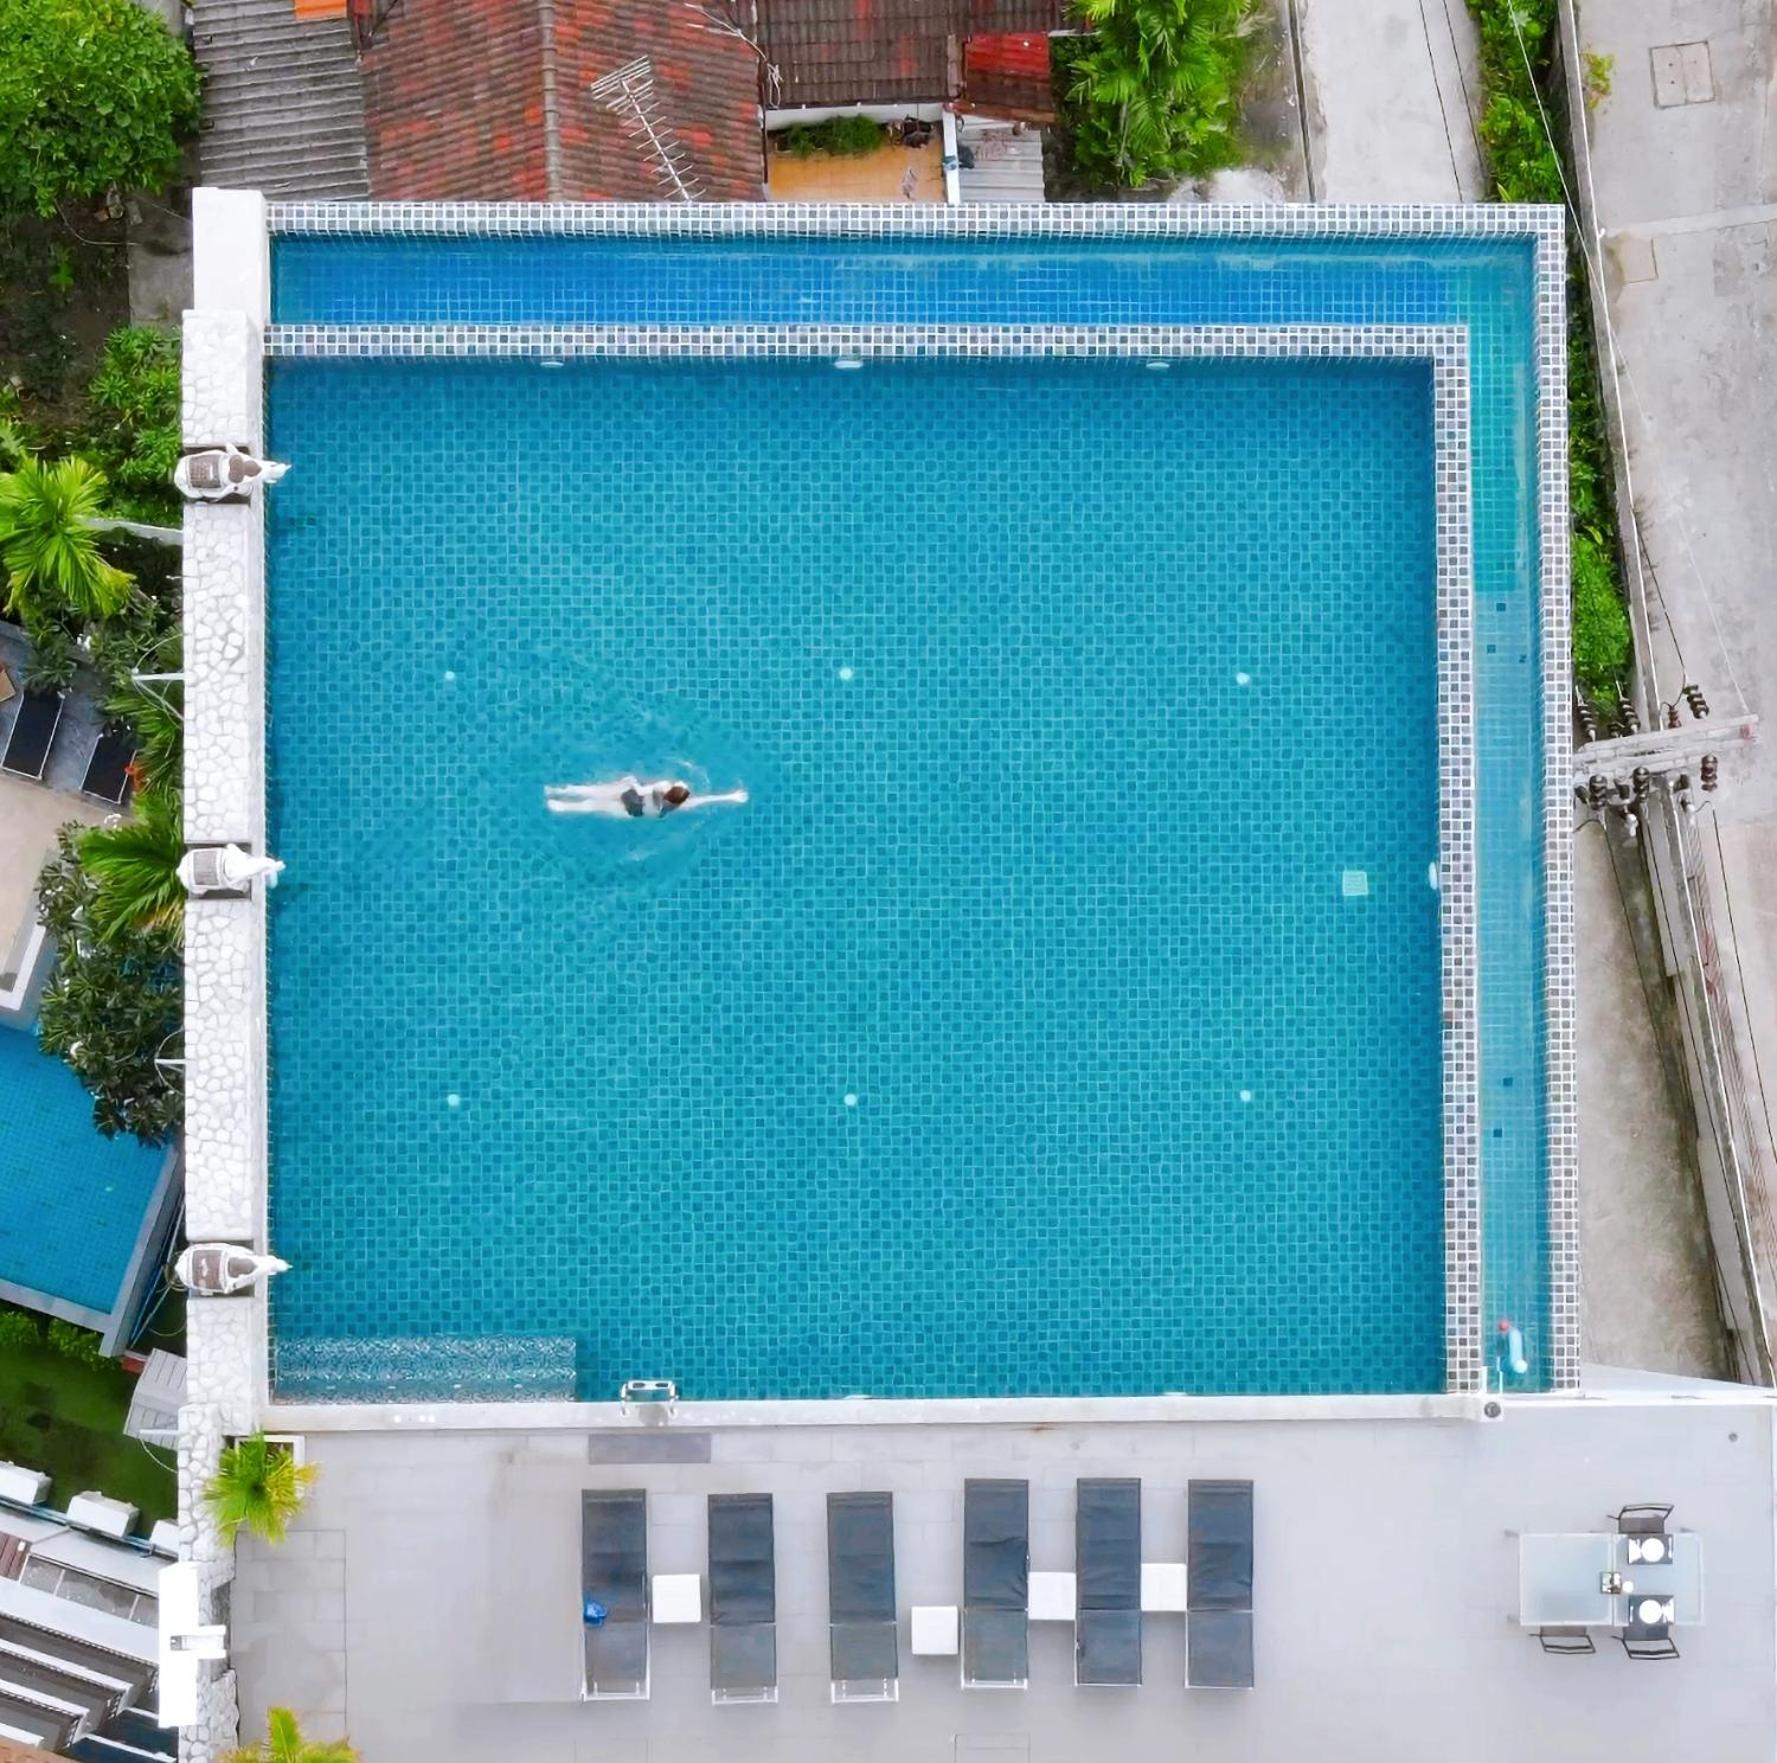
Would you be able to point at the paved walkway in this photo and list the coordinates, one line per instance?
(1391, 90)
(1391, 95)
(1685, 178)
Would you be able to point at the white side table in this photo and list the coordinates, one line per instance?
(1051, 1597)
(1163, 1586)
(934, 1631)
(678, 1597)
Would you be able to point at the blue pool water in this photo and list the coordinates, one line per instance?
(1017, 1037)
(1351, 1319)
(71, 1202)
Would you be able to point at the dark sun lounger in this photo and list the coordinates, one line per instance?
(614, 1594)
(743, 1599)
(108, 770)
(996, 1584)
(1219, 1586)
(865, 1647)
(33, 734)
(1107, 1569)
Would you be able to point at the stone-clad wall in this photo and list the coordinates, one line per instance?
(225, 1064)
(217, 1728)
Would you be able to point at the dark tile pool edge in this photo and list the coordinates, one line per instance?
(1560, 1070)
(1051, 220)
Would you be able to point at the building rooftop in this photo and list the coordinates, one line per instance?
(1385, 1590)
(883, 51)
(472, 99)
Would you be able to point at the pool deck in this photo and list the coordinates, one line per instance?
(427, 1600)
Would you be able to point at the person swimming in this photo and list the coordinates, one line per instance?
(630, 797)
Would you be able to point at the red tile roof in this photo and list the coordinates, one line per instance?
(488, 99)
(882, 51)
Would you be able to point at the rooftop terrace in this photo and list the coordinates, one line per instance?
(428, 1600)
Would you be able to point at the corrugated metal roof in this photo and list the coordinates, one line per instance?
(1007, 162)
(882, 51)
(283, 106)
(1009, 72)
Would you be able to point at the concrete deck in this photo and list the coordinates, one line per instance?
(427, 1600)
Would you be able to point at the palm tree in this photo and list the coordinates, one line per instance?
(47, 544)
(1159, 82)
(134, 867)
(159, 733)
(284, 1743)
(258, 1486)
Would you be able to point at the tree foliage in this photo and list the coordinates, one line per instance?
(50, 554)
(109, 1006)
(259, 1487)
(133, 428)
(284, 1743)
(93, 94)
(134, 869)
(1154, 90)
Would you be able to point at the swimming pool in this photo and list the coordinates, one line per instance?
(73, 1205)
(1061, 1015)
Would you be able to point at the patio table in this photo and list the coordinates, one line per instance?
(1562, 1580)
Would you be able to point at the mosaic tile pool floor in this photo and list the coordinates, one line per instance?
(1486, 285)
(72, 1202)
(1021, 1034)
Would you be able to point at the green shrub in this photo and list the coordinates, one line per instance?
(74, 1342)
(849, 137)
(94, 94)
(1154, 90)
(133, 430)
(1517, 49)
(1601, 644)
(19, 1331)
(50, 665)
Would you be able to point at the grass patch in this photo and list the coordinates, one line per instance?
(1518, 48)
(65, 1416)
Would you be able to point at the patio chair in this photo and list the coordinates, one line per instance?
(1565, 1640)
(1641, 1521)
(1107, 1568)
(614, 1595)
(864, 1647)
(108, 770)
(33, 734)
(996, 1585)
(1219, 1585)
(1651, 1644)
(743, 1599)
